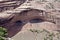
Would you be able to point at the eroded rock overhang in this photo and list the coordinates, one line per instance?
(51, 12)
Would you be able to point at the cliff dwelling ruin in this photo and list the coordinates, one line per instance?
(20, 15)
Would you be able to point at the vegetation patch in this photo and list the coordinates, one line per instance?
(47, 35)
(3, 33)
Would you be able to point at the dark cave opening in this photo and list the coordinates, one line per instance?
(36, 20)
(18, 23)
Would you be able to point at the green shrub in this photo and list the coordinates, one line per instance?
(3, 33)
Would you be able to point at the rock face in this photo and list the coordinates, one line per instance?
(39, 34)
(8, 5)
(17, 14)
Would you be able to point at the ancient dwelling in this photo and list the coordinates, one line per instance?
(20, 15)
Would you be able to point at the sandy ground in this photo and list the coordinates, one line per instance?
(24, 34)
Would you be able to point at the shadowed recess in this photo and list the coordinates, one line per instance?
(18, 23)
(36, 20)
(3, 21)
